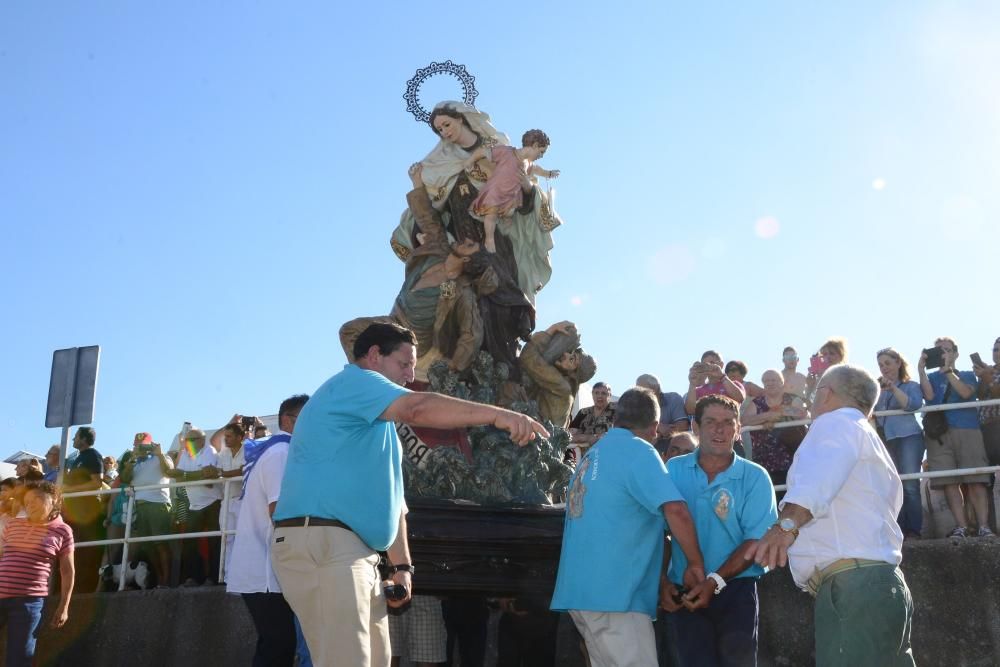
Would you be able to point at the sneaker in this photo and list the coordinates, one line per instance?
(189, 582)
(959, 532)
(985, 532)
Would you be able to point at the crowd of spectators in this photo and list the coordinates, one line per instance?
(168, 510)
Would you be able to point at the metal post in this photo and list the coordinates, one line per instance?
(68, 399)
(63, 448)
(223, 523)
(128, 534)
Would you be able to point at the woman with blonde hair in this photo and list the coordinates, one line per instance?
(901, 433)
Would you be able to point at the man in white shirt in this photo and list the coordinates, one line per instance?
(838, 528)
(229, 442)
(203, 512)
(148, 466)
(250, 571)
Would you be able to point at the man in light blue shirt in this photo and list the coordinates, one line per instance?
(612, 552)
(342, 495)
(732, 501)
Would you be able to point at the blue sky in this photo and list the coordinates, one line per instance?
(207, 190)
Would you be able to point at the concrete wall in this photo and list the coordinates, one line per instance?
(957, 619)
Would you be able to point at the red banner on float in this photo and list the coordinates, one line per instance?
(418, 441)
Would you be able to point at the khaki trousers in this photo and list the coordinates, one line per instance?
(617, 639)
(329, 578)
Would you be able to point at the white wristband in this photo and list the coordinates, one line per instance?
(720, 583)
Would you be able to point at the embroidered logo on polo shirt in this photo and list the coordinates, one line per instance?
(722, 501)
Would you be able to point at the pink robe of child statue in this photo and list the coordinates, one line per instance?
(502, 192)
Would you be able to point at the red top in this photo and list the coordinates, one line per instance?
(29, 550)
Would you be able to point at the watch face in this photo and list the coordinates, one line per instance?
(787, 525)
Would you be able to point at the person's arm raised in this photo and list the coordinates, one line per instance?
(439, 411)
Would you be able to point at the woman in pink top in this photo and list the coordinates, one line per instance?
(28, 548)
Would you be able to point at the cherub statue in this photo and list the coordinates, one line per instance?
(511, 178)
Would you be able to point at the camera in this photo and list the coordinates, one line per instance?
(145, 450)
(935, 357)
(395, 592)
(248, 422)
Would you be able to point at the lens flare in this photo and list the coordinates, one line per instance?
(767, 227)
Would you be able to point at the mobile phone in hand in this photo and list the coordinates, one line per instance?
(976, 359)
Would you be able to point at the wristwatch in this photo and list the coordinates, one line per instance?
(787, 525)
(402, 567)
(720, 583)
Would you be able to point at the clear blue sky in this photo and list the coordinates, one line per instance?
(207, 190)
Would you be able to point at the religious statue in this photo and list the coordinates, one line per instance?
(475, 239)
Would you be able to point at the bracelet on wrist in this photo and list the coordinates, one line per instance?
(402, 567)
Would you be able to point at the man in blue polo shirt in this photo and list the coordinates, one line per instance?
(612, 550)
(342, 495)
(732, 501)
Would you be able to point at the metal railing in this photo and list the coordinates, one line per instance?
(958, 472)
(127, 539)
(228, 482)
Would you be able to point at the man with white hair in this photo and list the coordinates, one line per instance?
(838, 527)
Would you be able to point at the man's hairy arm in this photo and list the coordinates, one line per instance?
(439, 411)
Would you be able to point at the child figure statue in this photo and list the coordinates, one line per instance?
(504, 190)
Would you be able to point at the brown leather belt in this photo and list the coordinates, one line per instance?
(306, 521)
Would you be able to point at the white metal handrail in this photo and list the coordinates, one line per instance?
(128, 539)
(926, 474)
(885, 413)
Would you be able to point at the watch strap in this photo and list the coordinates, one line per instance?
(720, 583)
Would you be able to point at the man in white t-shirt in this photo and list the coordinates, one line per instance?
(232, 456)
(250, 573)
(148, 466)
(198, 461)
